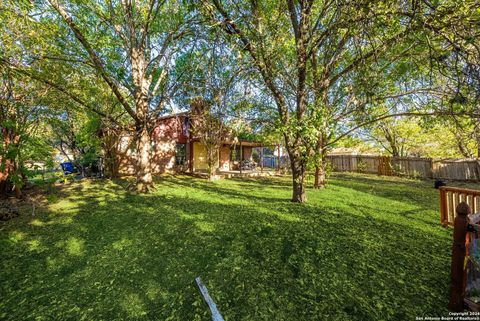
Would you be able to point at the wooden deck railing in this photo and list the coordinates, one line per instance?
(450, 197)
(458, 268)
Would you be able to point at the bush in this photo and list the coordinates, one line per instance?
(397, 170)
(416, 174)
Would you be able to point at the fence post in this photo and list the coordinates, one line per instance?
(278, 163)
(261, 159)
(430, 164)
(457, 270)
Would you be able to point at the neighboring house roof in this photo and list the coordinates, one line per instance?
(246, 143)
(348, 151)
(344, 151)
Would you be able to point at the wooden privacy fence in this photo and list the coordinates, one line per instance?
(454, 169)
(451, 197)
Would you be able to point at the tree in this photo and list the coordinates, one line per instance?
(385, 85)
(210, 128)
(21, 114)
(413, 136)
(131, 49)
(212, 86)
(466, 132)
(371, 69)
(305, 57)
(146, 32)
(454, 43)
(457, 135)
(77, 134)
(328, 67)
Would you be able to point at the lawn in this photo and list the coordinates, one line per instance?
(366, 248)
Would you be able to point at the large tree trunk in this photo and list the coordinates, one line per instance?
(4, 185)
(320, 165)
(298, 178)
(144, 174)
(391, 140)
(112, 156)
(461, 144)
(5, 166)
(320, 175)
(477, 134)
(17, 187)
(211, 162)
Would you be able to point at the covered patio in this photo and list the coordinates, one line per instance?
(237, 158)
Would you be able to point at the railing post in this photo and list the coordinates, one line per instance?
(457, 271)
(443, 207)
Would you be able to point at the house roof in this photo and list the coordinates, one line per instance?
(244, 142)
(349, 151)
(184, 113)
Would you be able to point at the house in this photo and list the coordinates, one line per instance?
(175, 149)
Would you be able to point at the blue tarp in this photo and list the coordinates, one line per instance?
(67, 168)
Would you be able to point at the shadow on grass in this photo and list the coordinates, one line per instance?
(101, 253)
(247, 188)
(412, 191)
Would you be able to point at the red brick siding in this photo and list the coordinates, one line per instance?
(165, 136)
(169, 129)
(247, 152)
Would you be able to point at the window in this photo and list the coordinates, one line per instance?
(180, 154)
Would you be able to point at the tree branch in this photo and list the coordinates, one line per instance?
(260, 64)
(61, 89)
(410, 114)
(93, 55)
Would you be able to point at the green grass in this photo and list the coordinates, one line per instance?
(366, 248)
(38, 178)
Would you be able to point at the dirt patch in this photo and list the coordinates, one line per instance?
(33, 198)
(7, 210)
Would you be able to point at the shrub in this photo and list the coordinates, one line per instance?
(397, 170)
